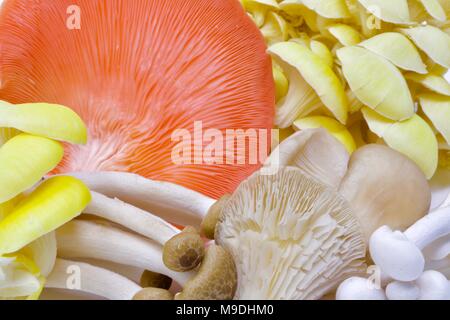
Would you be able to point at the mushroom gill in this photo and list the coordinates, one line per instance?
(136, 71)
(291, 237)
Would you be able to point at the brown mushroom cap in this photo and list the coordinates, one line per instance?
(385, 188)
(150, 279)
(291, 237)
(215, 280)
(153, 294)
(185, 251)
(209, 223)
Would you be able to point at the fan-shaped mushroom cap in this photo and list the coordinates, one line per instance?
(385, 188)
(316, 153)
(291, 237)
(135, 71)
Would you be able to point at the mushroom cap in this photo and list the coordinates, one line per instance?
(153, 294)
(396, 255)
(385, 188)
(433, 285)
(290, 236)
(150, 279)
(357, 288)
(402, 291)
(135, 72)
(316, 153)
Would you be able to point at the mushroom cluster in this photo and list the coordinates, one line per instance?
(413, 263)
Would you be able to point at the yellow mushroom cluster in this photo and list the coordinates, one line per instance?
(29, 210)
(368, 71)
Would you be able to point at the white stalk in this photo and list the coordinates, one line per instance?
(169, 201)
(430, 228)
(82, 239)
(91, 279)
(133, 218)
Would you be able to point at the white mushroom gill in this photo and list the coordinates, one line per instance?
(291, 237)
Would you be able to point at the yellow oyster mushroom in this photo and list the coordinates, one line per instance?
(281, 82)
(437, 108)
(317, 74)
(433, 41)
(388, 10)
(258, 9)
(48, 120)
(24, 160)
(346, 35)
(55, 202)
(322, 51)
(413, 138)
(398, 49)
(275, 28)
(336, 129)
(332, 9)
(431, 81)
(434, 8)
(377, 83)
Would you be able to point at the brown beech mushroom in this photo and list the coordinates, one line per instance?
(215, 280)
(150, 279)
(72, 275)
(314, 152)
(291, 237)
(385, 188)
(153, 294)
(183, 250)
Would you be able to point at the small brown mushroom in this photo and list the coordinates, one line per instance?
(153, 294)
(185, 251)
(150, 279)
(215, 280)
(209, 223)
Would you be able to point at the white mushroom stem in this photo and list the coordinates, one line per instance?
(430, 228)
(82, 239)
(71, 275)
(439, 249)
(133, 218)
(357, 288)
(172, 202)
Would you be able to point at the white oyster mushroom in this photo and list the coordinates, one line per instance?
(291, 237)
(397, 290)
(399, 255)
(357, 288)
(316, 153)
(433, 285)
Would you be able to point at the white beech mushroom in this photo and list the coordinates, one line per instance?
(433, 286)
(385, 188)
(215, 278)
(399, 254)
(314, 152)
(183, 251)
(92, 279)
(357, 288)
(167, 200)
(397, 290)
(87, 239)
(291, 237)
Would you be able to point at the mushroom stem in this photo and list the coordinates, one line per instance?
(82, 239)
(172, 202)
(430, 228)
(94, 280)
(133, 218)
(183, 251)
